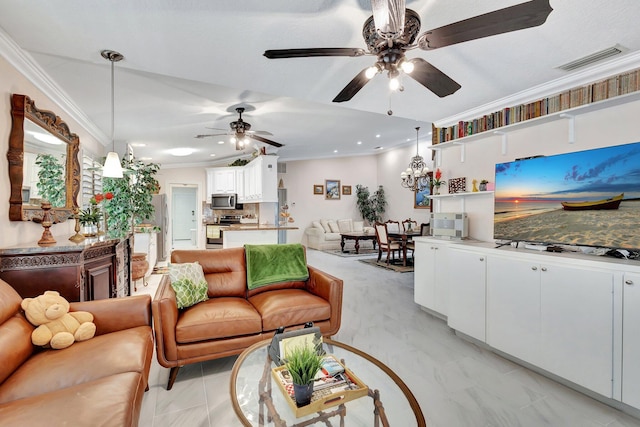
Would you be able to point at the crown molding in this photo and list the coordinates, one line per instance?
(29, 68)
(592, 74)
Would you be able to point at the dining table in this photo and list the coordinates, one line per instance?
(403, 237)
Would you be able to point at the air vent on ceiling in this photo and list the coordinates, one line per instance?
(593, 58)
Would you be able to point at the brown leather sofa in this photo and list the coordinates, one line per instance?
(234, 318)
(96, 382)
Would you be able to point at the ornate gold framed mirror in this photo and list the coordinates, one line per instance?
(43, 163)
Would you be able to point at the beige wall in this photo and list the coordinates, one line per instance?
(16, 232)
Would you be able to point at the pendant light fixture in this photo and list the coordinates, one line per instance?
(112, 167)
(415, 178)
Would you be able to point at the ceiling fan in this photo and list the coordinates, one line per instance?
(392, 30)
(241, 132)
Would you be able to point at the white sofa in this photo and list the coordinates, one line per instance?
(325, 234)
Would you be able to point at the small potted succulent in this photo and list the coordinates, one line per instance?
(483, 185)
(303, 363)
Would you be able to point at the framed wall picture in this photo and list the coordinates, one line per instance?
(421, 199)
(346, 190)
(318, 189)
(332, 189)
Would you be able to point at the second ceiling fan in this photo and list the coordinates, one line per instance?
(241, 133)
(392, 30)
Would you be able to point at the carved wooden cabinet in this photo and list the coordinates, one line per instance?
(94, 269)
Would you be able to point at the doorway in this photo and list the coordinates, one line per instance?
(184, 216)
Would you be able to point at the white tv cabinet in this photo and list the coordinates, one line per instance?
(573, 317)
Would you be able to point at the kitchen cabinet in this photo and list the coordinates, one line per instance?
(221, 180)
(431, 275)
(467, 292)
(261, 180)
(631, 340)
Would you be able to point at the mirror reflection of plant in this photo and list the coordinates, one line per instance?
(133, 194)
(51, 179)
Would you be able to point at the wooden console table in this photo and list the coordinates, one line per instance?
(94, 269)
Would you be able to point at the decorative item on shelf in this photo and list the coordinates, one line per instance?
(89, 218)
(76, 238)
(281, 183)
(416, 177)
(303, 363)
(46, 239)
(457, 185)
(483, 185)
(475, 186)
(437, 182)
(285, 216)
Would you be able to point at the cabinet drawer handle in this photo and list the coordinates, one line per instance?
(534, 268)
(628, 282)
(544, 269)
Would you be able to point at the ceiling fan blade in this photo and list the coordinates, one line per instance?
(211, 134)
(353, 87)
(432, 78)
(301, 53)
(259, 132)
(518, 17)
(265, 140)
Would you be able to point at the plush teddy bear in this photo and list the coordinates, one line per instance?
(57, 327)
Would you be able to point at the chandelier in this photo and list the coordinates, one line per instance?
(416, 177)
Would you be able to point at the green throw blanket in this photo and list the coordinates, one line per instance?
(268, 264)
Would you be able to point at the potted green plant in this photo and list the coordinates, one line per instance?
(133, 195)
(370, 206)
(89, 219)
(303, 363)
(483, 185)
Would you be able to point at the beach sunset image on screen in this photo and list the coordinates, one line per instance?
(584, 198)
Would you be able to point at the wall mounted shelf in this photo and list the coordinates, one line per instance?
(567, 114)
(462, 196)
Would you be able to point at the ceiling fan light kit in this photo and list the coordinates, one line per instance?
(112, 167)
(392, 30)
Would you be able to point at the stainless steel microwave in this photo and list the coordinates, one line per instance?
(225, 201)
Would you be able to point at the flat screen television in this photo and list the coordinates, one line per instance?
(584, 198)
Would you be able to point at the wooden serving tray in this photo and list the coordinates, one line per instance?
(325, 398)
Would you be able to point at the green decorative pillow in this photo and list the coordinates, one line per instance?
(188, 281)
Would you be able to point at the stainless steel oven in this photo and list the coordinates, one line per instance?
(216, 231)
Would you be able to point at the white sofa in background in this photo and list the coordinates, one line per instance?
(325, 234)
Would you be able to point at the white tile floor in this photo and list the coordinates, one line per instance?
(456, 383)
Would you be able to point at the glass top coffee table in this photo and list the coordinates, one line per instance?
(258, 402)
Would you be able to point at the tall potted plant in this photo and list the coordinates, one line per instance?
(371, 206)
(133, 194)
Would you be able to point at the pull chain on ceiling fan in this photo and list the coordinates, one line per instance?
(393, 30)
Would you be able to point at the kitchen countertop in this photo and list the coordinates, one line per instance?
(253, 227)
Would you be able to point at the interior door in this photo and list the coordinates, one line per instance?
(184, 216)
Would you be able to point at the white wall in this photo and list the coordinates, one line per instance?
(18, 232)
(611, 126)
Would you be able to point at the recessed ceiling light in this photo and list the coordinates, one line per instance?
(335, 151)
(212, 155)
(359, 142)
(180, 152)
(378, 136)
(138, 144)
(408, 139)
(378, 148)
(146, 159)
(220, 142)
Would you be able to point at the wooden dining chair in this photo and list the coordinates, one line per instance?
(384, 244)
(409, 224)
(393, 226)
(425, 229)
